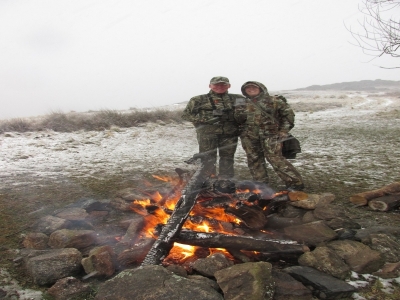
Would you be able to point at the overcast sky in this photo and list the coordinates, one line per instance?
(84, 55)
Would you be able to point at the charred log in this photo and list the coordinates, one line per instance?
(185, 204)
(252, 216)
(235, 242)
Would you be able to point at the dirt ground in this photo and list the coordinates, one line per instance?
(349, 144)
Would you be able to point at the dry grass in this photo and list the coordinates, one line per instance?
(101, 120)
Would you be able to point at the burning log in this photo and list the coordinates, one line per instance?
(185, 204)
(385, 203)
(361, 199)
(237, 242)
(252, 216)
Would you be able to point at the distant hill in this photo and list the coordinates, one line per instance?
(363, 85)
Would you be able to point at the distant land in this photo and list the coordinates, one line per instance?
(363, 85)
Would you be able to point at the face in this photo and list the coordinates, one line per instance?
(252, 90)
(219, 88)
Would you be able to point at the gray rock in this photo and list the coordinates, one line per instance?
(69, 288)
(327, 212)
(314, 200)
(100, 260)
(389, 270)
(198, 279)
(277, 222)
(339, 223)
(133, 232)
(72, 214)
(308, 217)
(311, 234)
(36, 240)
(250, 281)
(386, 245)
(323, 285)
(47, 266)
(209, 265)
(66, 238)
(49, 224)
(325, 260)
(359, 257)
(363, 234)
(288, 288)
(154, 283)
(292, 212)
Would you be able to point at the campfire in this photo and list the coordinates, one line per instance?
(202, 215)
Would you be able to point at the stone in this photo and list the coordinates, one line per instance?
(250, 281)
(325, 199)
(198, 279)
(49, 224)
(323, 286)
(288, 288)
(308, 217)
(340, 223)
(72, 214)
(154, 283)
(36, 240)
(389, 270)
(66, 238)
(311, 234)
(277, 222)
(363, 234)
(100, 260)
(133, 232)
(309, 203)
(209, 265)
(327, 212)
(325, 260)
(69, 288)
(178, 270)
(359, 257)
(47, 266)
(120, 204)
(386, 245)
(292, 212)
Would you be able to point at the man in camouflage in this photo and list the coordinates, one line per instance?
(212, 115)
(266, 121)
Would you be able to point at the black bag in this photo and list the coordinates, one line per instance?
(290, 147)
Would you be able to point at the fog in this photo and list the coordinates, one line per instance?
(95, 54)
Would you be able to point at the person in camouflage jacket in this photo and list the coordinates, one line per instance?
(212, 115)
(266, 121)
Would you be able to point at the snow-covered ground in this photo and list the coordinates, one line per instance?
(29, 158)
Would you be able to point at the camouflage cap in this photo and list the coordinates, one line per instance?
(219, 79)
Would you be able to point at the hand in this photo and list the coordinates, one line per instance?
(282, 135)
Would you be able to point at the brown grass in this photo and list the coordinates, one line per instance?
(97, 121)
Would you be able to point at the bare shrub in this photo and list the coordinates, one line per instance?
(58, 121)
(19, 125)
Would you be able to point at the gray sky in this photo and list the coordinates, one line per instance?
(94, 54)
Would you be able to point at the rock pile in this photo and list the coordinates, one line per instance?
(76, 250)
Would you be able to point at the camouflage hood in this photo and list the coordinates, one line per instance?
(264, 91)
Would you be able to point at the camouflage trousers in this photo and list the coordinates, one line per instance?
(268, 148)
(225, 146)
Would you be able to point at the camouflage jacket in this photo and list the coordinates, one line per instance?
(213, 113)
(264, 114)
